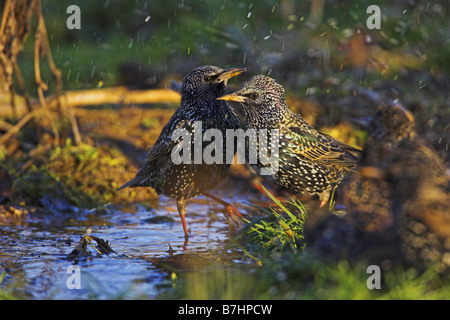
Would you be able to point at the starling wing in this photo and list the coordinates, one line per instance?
(317, 147)
(160, 154)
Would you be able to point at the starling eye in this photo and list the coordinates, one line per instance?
(253, 95)
(207, 78)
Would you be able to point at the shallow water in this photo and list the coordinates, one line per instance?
(149, 246)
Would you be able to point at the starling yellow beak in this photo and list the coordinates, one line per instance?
(227, 74)
(232, 97)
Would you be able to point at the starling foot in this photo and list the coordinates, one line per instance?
(231, 210)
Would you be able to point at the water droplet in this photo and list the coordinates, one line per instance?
(147, 19)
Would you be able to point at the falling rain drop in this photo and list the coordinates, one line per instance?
(147, 19)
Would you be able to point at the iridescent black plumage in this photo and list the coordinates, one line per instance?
(309, 161)
(199, 91)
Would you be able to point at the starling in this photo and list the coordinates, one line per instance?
(181, 181)
(420, 202)
(309, 162)
(394, 164)
(368, 194)
(397, 200)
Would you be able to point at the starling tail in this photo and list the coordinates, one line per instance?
(131, 184)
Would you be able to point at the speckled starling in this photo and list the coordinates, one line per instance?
(397, 201)
(309, 162)
(394, 163)
(368, 193)
(420, 202)
(199, 91)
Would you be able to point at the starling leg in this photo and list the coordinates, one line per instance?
(230, 209)
(258, 186)
(181, 206)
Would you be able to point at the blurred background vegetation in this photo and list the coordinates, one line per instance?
(286, 38)
(319, 50)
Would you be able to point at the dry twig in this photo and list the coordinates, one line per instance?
(80, 98)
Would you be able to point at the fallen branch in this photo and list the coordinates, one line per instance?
(92, 97)
(116, 95)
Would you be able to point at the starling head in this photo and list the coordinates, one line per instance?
(207, 82)
(262, 98)
(397, 123)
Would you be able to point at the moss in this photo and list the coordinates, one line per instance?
(84, 175)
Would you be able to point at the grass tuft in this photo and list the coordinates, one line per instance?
(277, 231)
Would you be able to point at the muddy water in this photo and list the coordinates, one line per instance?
(34, 254)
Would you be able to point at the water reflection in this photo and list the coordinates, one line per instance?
(146, 241)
